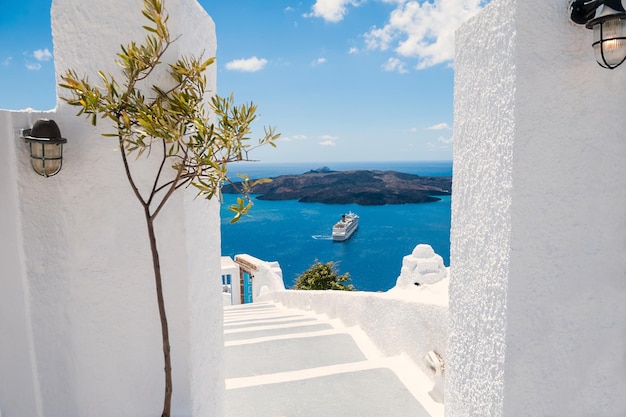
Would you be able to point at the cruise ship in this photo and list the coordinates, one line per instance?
(344, 228)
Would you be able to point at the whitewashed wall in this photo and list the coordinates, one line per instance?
(229, 267)
(407, 320)
(77, 296)
(396, 325)
(538, 261)
(19, 388)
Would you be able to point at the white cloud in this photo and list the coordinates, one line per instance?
(353, 51)
(33, 67)
(328, 140)
(439, 126)
(7, 61)
(292, 138)
(331, 10)
(395, 65)
(319, 61)
(446, 141)
(247, 65)
(42, 54)
(425, 30)
(379, 38)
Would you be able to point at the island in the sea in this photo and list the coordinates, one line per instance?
(366, 188)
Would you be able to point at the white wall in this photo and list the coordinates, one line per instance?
(229, 267)
(406, 320)
(480, 234)
(19, 389)
(81, 280)
(538, 282)
(267, 276)
(397, 324)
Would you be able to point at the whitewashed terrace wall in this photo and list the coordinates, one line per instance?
(396, 326)
(538, 244)
(78, 314)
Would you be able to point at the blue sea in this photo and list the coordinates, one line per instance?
(296, 234)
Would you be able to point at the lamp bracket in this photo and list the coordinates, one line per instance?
(21, 133)
(582, 11)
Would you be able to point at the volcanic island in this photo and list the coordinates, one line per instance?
(362, 187)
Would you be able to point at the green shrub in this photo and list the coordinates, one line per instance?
(321, 276)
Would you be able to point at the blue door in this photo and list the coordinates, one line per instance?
(247, 288)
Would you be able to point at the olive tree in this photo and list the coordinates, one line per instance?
(172, 122)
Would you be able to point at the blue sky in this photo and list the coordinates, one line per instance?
(342, 80)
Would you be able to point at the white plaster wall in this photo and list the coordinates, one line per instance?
(538, 250)
(481, 224)
(81, 270)
(268, 278)
(406, 320)
(19, 388)
(205, 313)
(566, 347)
(230, 267)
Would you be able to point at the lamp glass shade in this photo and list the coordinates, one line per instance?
(46, 158)
(609, 42)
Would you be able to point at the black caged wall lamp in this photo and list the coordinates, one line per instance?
(607, 19)
(46, 147)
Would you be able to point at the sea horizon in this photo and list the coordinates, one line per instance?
(254, 169)
(297, 234)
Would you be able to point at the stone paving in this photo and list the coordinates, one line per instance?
(291, 363)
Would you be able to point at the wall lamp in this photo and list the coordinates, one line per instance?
(46, 147)
(608, 25)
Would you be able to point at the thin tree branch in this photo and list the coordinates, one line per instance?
(186, 179)
(183, 183)
(158, 175)
(168, 194)
(129, 175)
(153, 64)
